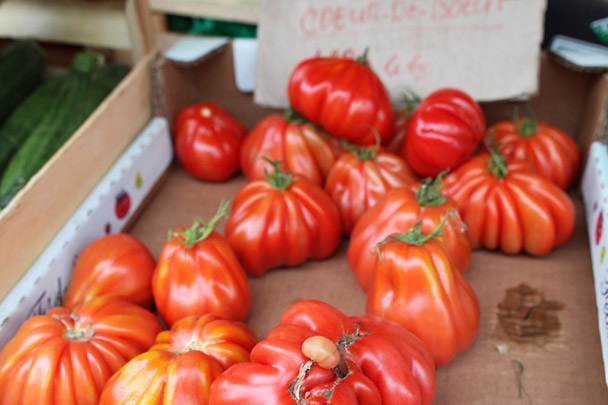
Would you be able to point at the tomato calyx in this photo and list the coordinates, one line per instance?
(291, 116)
(407, 104)
(362, 59)
(429, 193)
(279, 179)
(363, 152)
(526, 125)
(497, 166)
(199, 231)
(76, 334)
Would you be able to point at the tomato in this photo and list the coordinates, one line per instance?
(379, 362)
(361, 177)
(207, 141)
(283, 220)
(182, 364)
(303, 149)
(66, 357)
(198, 273)
(416, 285)
(444, 132)
(397, 212)
(405, 108)
(549, 150)
(343, 96)
(507, 205)
(114, 264)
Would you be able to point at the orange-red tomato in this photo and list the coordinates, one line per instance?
(207, 140)
(344, 96)
(182, 364)
(416, 285)
(114, 264)
(303, 149)
(65, 358)
(547, 149)
(397, 212)
(283, 220)
(509, 206)
(361, 177)
(198, 273)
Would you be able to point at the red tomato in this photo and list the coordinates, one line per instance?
(114, 264)
(361, 177)
(397, 212)
(66, 358)
(282, 220)
(379, 363)
(198, 273)
(550, 151)
(182, 364)
(207, 141)
(444, 131)
(406, 108)
(343, 96)
(303, 149)
(416, 285)
(507, 205)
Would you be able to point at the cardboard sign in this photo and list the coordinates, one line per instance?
(488, 48)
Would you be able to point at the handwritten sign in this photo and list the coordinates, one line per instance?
(488, 48)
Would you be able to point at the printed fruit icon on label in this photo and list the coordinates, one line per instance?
(602, 254)
(108, 228)
(138, 180)
(123, 203)
(598, 228)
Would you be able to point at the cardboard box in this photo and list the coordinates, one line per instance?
(566, 368)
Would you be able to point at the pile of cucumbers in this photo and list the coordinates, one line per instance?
(38, 116)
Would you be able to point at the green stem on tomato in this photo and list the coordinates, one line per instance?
(429, 193)
(526, 126)
(362, 59)
(407, 104)
(199, 231)
(279, 179)
(363, 152)
(497, 165)
(291, 116)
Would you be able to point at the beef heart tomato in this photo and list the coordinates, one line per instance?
(283, 220)
(416, 285)
(114, 264)
(361, 177)
(182, 364)
(444, 132)
(397, 212)
(198, 273)
(507, 205)
(379, 362)
(207, 141)
(65, 358)
(303, 149)
(343, 96)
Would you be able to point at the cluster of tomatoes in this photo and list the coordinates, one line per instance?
(414, 190)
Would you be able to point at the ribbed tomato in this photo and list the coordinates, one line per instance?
(182, 364)
(397, 212)
(361, 177)
(416, 285)
(378, 363)
(303, 149)
(113, 264)
(343, 96)
(198, 273)
(507, 205)
(282, 221)
(549, 150)
(65, 358)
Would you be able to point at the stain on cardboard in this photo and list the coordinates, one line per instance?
(527, 316)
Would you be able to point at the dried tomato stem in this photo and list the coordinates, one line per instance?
(279, 179)
(429, 193)
(199, 231)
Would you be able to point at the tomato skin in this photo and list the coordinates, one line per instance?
(387, 364)
(182, 364)
(397, 212)
(344, 96)
(395, 145)
(521, 211)
(205, 278)
(114, 264)
(419, 288)
(550, 151)
(269, 227)
(356, 184)
(444, 132)
(207, 141)
(304, 150)
(41, 365)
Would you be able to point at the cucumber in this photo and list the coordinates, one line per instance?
(22, 121)
(50, 133)
(22, 64)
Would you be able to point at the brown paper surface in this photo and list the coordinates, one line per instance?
(488, 48)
